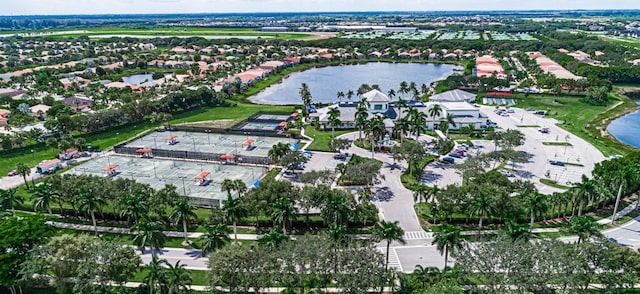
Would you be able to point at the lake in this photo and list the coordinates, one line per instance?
(324, 83)
(627, 128)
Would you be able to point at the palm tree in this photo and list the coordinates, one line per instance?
(178, 278)
(418, 122)
(90, 202)
(435, 110)
(156, 275)
(183, 212)
(277, 151)
(517, 232)
(227, 186)
(350, 95)
(362, 114)
(283, 212)
(53, 142)
(388, 231)
(375, 129)
(585, 190)
(133, 206)
(449, 120)
(391, 94)
(273, 238)
(420, 193)
(148, 233)
(584, 227)
(234, 211)
(426, 274)
(625, 177)
(447, 240)
(340, 95)
(481, 204)
(305, 96)
(404, 88)
(240, 187)
(214, 238)
(334, 120)
(9, 199)
(401, 104)
(44, 194)
(535, 204)
(23, 170)
(335, 210)
(402, 128)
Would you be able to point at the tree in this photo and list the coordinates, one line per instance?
(133, 207)
(517, 232)
(585, 190)
(447, 240)
(234, 211)
(90, 202)
(23, 170)
(273, 238)
(362, 115)
(334, 120)
(183, 212)
(156, 275)
(149, 233)
(340, 95)
(375, 128)
(535, 204)
(583, 226)
(178, 278)
(79, 142)
(626, 178)
(389, 232)
(449, 121)
(44, 195)
(435, 110)
(340, 144)
(18, 237)
(482, 204)
(350, 95)
(9, 199)
(305, 96)
(283, 212)
(214, 238)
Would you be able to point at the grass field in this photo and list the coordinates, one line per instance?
(321, 139)
(624, 41)
(176, 32)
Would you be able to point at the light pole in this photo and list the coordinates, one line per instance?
(209, 137)
(154, 141)
(153, 161)
(184, 187)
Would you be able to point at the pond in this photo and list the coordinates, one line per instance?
(627, 128)
(140, 78)
(324, 83)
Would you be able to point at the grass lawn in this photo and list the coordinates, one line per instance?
(321, 139)
(557, 143)
(181, 31)
(553, 183)
(199, 278)
(576, 115)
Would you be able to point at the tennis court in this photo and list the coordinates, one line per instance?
(182, 174)
(239, 145)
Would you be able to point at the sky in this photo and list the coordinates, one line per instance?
(53, 7)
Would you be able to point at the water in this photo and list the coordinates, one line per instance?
(627, 128)
(139, 78)
(325, 82)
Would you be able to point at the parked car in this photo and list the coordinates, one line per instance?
(507, 173)
(72, 162)
(510, 110)
(459, 151)
(300, 166)
(340, 156)
(456, 155)
(543, 130)
(504, 114)
(529, 109)
(448, 160)
(12, 173)
(557, 162)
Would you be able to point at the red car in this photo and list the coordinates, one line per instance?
(12, 173)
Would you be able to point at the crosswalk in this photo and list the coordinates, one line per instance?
(417, 235)
(394, 261)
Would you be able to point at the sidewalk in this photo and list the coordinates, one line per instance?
(193, 235)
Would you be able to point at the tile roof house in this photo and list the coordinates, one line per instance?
(39, 110)
(78, 103)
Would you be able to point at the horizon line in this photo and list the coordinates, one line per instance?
(319, 12)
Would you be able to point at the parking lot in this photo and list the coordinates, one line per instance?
(581, 155)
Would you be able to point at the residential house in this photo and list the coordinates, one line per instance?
(39, 110)
(78, 103)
